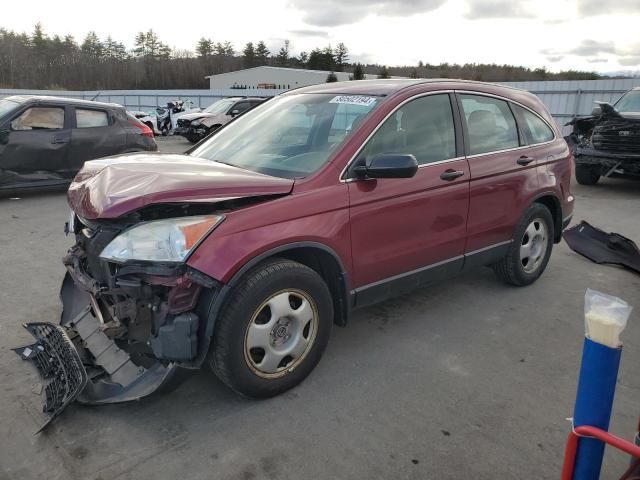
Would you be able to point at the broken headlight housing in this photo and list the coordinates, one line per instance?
(169, 240)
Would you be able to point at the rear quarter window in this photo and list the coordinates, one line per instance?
(89, 118)
(534, 129)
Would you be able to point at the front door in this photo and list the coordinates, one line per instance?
(409, 231)
(34, 147)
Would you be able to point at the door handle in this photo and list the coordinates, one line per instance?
(450, 174)
(60, 139)
(524, 160)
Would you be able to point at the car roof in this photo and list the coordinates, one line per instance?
(66, 100)
(384, 87)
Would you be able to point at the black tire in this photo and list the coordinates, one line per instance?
(229, 357)
(587, 174)
(148, 124)
(513, 269)
(193, 138)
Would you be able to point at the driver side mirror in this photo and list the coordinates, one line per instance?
(389, 165)
(597, 111)
(235, 113)
(4, 136)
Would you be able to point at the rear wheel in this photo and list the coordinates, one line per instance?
(273, 330)
(587, 174)
(530, 250)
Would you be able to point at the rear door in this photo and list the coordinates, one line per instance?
(503, 174)
(408, 231)
(96, 133)
(35, 147)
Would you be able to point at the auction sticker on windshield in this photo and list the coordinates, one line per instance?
(354, 100)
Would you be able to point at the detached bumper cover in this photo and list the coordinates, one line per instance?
(58, 362)
(603, 247)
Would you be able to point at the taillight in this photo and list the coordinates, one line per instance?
(145, 131)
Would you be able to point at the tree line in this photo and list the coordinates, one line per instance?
(37, 60)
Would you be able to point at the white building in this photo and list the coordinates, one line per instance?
(278, 78)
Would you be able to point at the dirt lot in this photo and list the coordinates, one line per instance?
(467, 379)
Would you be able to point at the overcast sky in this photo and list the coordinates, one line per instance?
(600, 35)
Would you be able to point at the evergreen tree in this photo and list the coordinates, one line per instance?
(248, 56)
(92, 46)
(225, 49)
(340, 56)
(384, 72)
(262, 53)
(39, 39)
(204, 48)
(332, 78)
(358, 72)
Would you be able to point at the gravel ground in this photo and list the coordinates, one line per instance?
(466, 379)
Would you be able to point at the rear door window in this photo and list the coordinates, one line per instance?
(490, 124)
(90, 118)
(39, 118)
(534, 129)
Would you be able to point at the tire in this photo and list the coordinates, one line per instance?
(587, 175)
(530, 250)
(193, 138)
(251, 339)
(148, 124)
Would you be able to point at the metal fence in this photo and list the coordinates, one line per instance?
(148, 99)
(564, 99)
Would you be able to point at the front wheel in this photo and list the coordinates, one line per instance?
(587, 174)
(530, 249)
(193, 137)
(273, 330)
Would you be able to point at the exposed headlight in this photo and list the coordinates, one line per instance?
(169, 240)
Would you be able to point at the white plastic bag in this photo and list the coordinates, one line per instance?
(605, 317)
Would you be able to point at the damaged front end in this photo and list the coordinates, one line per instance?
(607, 142)
(126, 326)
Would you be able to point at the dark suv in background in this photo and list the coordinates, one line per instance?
(607, 143)
(44, 141)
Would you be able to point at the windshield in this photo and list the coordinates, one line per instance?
(630, 102)
(6, 106)
(290, 136)
(219, 106)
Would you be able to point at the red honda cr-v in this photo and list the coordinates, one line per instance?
(244, 253)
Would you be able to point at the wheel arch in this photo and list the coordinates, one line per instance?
(552, 202)
(320, 258)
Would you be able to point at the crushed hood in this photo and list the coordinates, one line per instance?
(195, 115)
(113, 186)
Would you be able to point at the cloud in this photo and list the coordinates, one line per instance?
(588, 48)
(478, 9)
(589, 8)
(597, 60)
(331, 13)
(630, 61)
(308, 32)
(555, 58)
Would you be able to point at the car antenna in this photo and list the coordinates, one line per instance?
(96, 96)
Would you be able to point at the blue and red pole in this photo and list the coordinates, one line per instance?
(594, 402)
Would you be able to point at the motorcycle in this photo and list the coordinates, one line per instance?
(166, 117)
